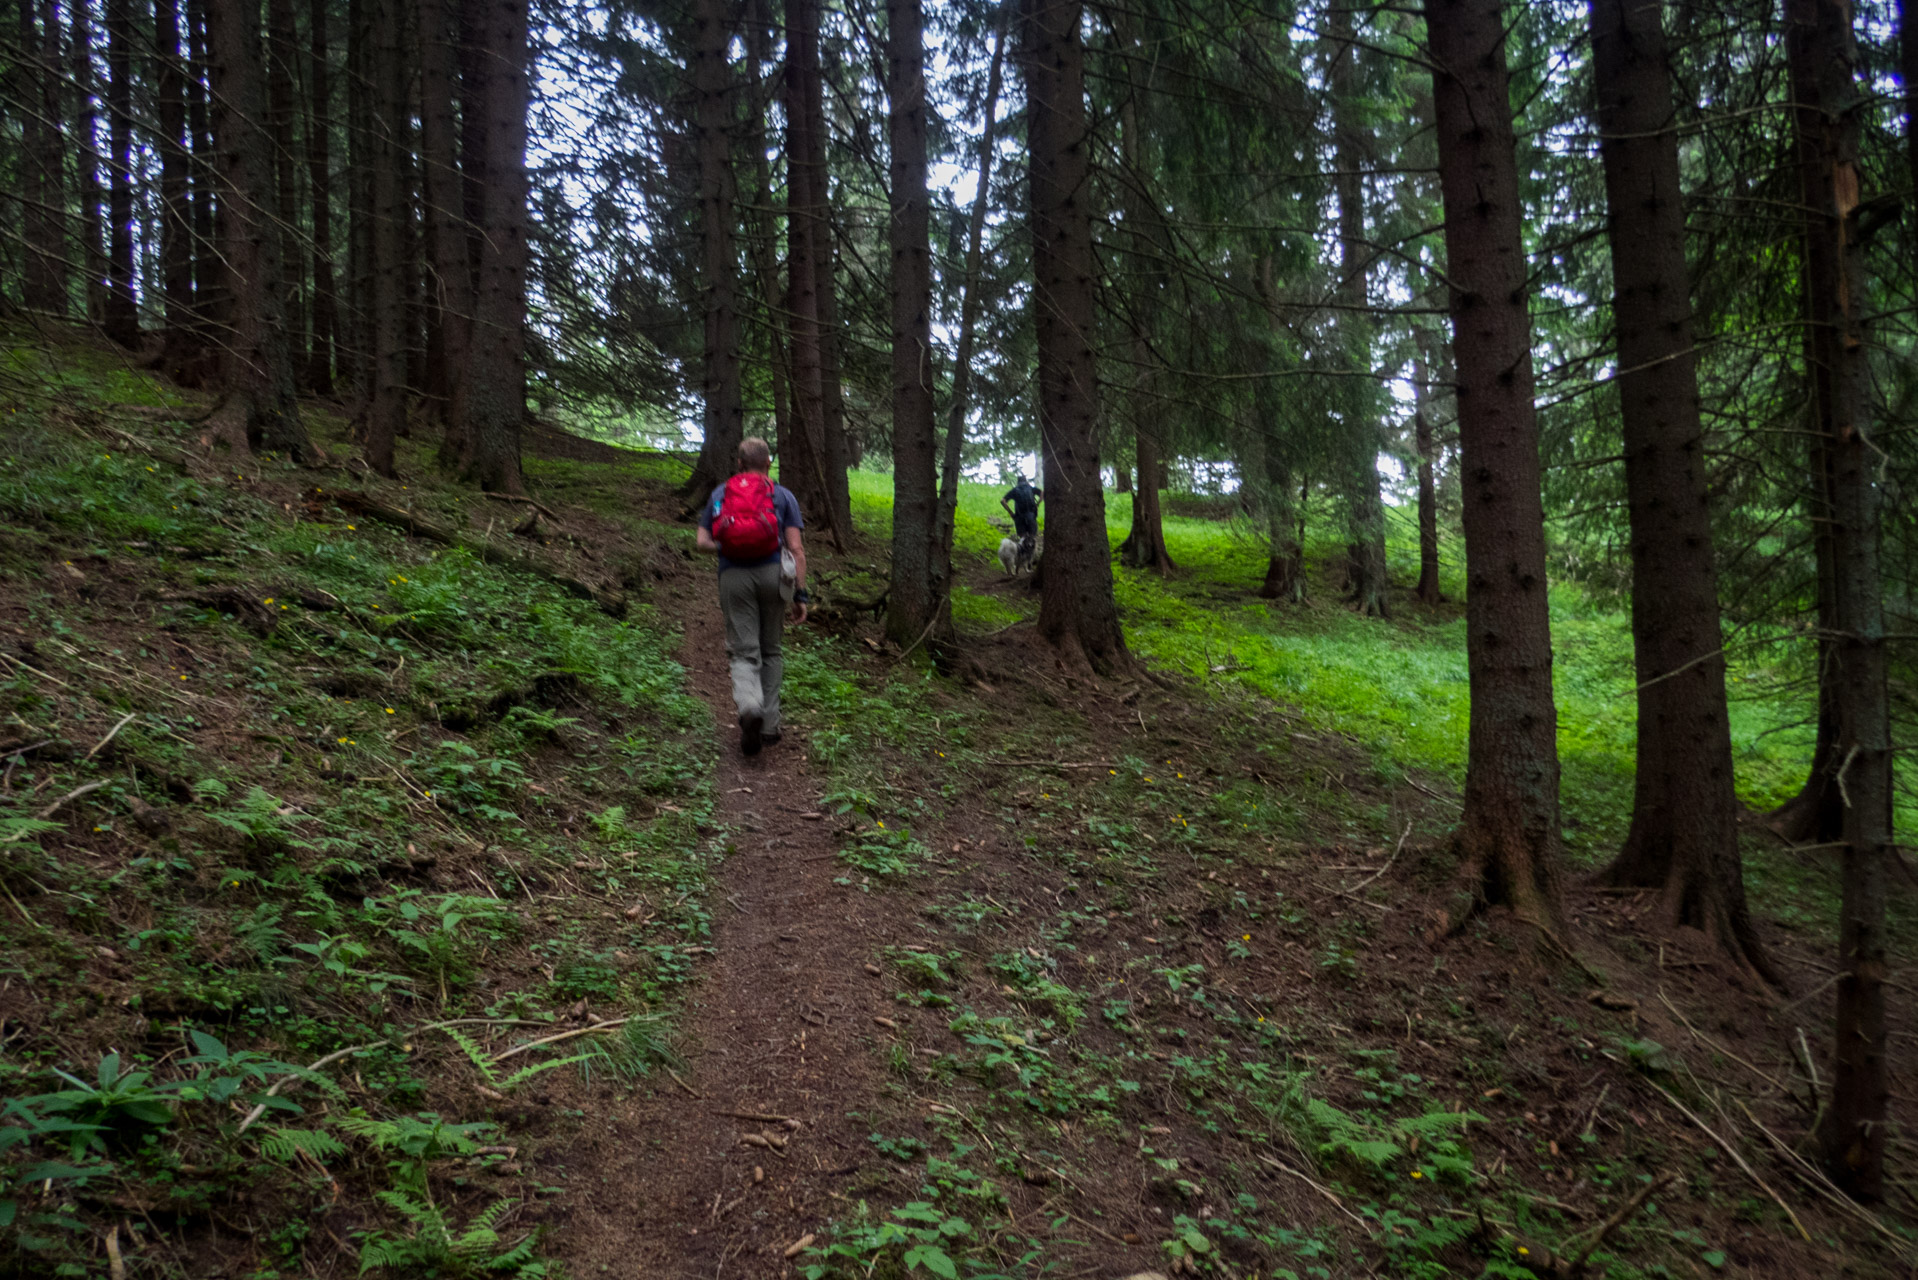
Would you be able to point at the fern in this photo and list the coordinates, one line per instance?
(431, 1244)
(489, 1070)
(288, 1145)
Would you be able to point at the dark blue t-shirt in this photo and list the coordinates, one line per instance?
(1025, 502)
(785, 510)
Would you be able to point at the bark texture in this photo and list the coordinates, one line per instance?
(1683, 838)
(121, 319)
(385, 403)
(1144, 545)
(92, 256)
(1077, 612)
(1428, 585)
(1509, 835)
(260, 412)
(802, 465)
(1822, 55)
(176, 210)
(492, 403)
(919, 564)
(319, 129)
(725, 424)
(44, 287)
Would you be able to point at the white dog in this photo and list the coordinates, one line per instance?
(1017, 555)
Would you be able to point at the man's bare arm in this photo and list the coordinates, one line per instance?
(703, 539)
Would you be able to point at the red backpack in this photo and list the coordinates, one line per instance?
(746, 526)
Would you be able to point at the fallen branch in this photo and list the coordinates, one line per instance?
(1353, 891)
(1604, 1229)
(56, 806)
(564, 1035)
(491, 553)
(1732, 1151)
(1337, 1203)
(534, 503)
(1816, 1179)
(112, 733)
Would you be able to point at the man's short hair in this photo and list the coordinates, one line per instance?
(755, 455)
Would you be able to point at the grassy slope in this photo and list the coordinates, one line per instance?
(364, 786)
(1399, 687)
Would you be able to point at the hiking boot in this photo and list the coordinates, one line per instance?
(751, 724)
(770, 737)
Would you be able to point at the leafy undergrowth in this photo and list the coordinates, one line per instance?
(344, 870)
(1180, 995)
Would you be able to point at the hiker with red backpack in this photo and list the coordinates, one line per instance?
(754, 525)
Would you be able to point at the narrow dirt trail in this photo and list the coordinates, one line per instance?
(778, 1026)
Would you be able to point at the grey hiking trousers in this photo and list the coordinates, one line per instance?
(755, 613)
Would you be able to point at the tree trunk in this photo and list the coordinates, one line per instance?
(92, 257)
(209, 277)
(803, 458)
(919, 566)
(121, 319)
(282, 98)
(835, 450)
(969, 307)
(1822, 56)
(1428, 588)
(1908, 75)
(765, 222)
(1144, 545)
(44, 287)
(1285, 555)
(1509, 835)
(260, 412)
(176, 210)
(319, 181)
(463, 286)
(493, 399)
(1077, 612)
(385, 403)
(1365, 512)
(356, 353)
(1684, 833)
(449, 294)
(720, 392)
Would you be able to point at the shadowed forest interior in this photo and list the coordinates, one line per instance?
(1439, 804)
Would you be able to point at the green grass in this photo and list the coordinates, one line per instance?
(1397, 687)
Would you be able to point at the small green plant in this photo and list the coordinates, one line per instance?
(885, 853)
(115, 1110)
(489, 1070)
(918, 1236)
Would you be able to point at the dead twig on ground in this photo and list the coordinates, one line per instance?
(1337, 1203)
(1353, 891)
(112, 733)
(1732, 1151)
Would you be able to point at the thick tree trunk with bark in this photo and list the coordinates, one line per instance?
(176, 210)
(724, 421)
(122, 317)
(1144, 545)
(44, 287)
(1684, 833)
(1509, 836)
(834, 448)
(1285, 548)
(443, 242)
(1077, 612)
(319, 182)
(260, 412)
(492, 402)
(1364, 510)
(385, 402)
(1428, 587)
(362, 156)
(920, 568)
(282, 106)
(802, 465)
(956, 412)
(1822, 55)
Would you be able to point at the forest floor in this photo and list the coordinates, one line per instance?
(433, 840)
